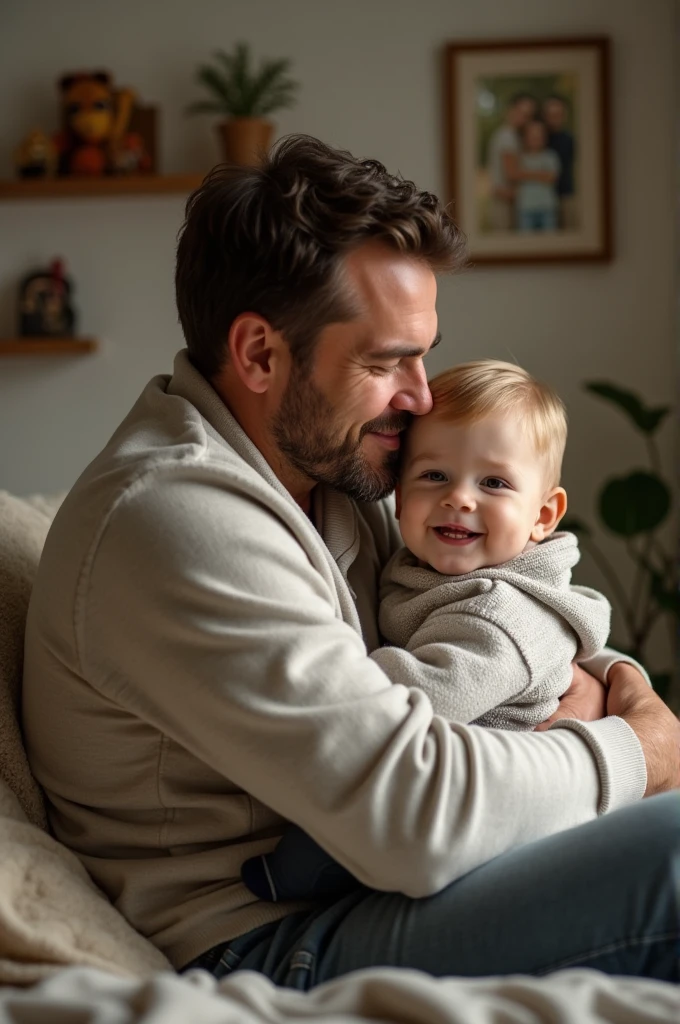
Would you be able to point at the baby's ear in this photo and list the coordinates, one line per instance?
(552, 510)
(397, 500)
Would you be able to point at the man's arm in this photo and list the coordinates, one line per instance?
(202, 615)
(632, 699)
(586, 698)
(628, 695)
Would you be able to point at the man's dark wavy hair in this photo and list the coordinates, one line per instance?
(271, 240)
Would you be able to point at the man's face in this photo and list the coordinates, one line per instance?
(554, 114)
(340, 420)
(470, 493)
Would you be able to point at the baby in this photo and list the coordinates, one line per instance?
(537, 200)
(479, 603)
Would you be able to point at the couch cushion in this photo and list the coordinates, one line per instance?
(51, 913)
(23, 527)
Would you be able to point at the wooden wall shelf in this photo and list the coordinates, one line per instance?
(47, 346)
(78, 188)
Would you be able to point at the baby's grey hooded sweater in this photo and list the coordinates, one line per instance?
(493, 646)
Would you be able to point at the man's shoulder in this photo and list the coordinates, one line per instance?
(164, 472)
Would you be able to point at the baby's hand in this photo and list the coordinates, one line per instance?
(586, 699)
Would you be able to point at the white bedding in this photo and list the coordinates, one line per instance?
(89, 996)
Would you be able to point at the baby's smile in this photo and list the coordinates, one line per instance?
(455, 534)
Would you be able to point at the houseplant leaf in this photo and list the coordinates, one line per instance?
(240, 90)
(218, 85)
(272, 89)
(667, 599)
(634, 504)
(644, 417)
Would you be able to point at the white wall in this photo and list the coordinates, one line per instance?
(371, 75)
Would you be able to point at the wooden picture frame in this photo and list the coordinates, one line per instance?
(529, 137)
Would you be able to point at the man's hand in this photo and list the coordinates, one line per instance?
(652, 721)
(586, 699)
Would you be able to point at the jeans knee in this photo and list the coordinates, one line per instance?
(658, 829)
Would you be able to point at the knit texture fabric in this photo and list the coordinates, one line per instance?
(493, 646)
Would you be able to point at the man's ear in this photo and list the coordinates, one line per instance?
(552, 510)
(397, 500)
(254, 351)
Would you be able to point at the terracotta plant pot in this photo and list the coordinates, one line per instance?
(245, 140)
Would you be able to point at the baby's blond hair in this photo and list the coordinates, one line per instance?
(474, 390)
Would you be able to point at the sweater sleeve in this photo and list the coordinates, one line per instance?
(599, 664)
(201, 614)
(478, 669)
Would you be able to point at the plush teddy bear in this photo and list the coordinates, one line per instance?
(96, 118)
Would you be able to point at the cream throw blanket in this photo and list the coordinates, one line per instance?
(378, 996)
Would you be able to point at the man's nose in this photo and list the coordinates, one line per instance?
(414, 395)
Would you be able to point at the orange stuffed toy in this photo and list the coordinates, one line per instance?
(95, 139)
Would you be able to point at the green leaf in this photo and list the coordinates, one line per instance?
(574, 525)
(270, 88)
(644, 417)
(241, 91)
(279, 99)
(217, 84)
(242, 79)
(634, 504)
(667, 599)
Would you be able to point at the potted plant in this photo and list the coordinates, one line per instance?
(246, 95)
(636, 508)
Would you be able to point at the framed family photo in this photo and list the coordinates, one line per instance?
(528, 155)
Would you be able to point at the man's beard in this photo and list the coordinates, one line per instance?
(305, 431)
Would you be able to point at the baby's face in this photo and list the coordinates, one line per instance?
(535, 136)
(470, 494)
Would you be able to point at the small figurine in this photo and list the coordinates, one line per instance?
(131, 157)
(36, 156)
(45, 309)
(95, 138)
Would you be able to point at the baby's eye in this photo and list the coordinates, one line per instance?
(435, 475)
(494, 483)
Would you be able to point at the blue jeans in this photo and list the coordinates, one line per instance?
(537, 220)
(298, 869)
(604, 895)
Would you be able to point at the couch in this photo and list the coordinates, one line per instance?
(67, 955)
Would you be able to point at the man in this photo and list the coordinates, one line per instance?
(196, 656)
(503, 161)
(561, 141)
